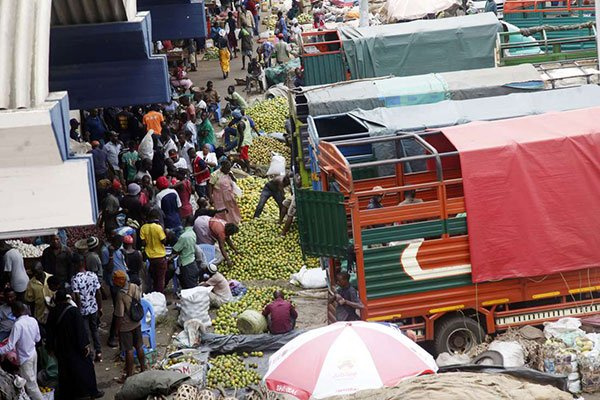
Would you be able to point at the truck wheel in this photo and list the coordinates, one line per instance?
(457, 335)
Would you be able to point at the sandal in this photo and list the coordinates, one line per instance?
(98, 357)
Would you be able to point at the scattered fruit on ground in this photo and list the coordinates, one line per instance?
(305, 18)
(211, 53)
(264, 254)
(270, 115)
(263, 147)
(252, 186)
(256, 298)
(229, 371)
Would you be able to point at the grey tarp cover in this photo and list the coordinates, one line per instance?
(386, 121)
(421, 89)
(262, 342)
(423, 46)
(144, 384)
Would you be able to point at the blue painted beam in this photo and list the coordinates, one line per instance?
(175, 19)
(111, 64)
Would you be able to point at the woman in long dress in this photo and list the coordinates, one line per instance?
(224, 54)
(221, 192)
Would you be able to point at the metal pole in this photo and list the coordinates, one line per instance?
(597, 7)
(364, 13)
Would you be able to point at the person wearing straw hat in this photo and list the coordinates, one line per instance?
(93, 263)
(375, 201)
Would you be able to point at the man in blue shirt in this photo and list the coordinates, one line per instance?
(100, 161)
(95, 126)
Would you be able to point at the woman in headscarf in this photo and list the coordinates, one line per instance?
(221, 192)
(224, 54)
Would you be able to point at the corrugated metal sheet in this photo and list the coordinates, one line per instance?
(385, 276)
(326, 68)
(24, 43)
(75, 12)
(322, 223)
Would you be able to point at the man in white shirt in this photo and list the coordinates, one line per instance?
(23, 337)
(189, 126)
(209, 157)
(14, 267)
(178, 163)
(185, 143)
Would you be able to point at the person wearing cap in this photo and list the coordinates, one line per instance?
(221, 293)
(170, 203)
(178, 162)
(100, 161)
(130, 332)
(135, 262)
(222, 44)
(93, 262)
(375, 201)
(131, 204)
(86, 292)
(153, 238)
(67, 338)
(282, 50)
(186, 249)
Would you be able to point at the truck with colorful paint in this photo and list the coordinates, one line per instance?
(497, 230)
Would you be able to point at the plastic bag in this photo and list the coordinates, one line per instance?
(159, 303)
(445, 359)
(565, 329)
(190, 362)
(512, 352)
(277, 166)
(194, 305)
(190, 335)
(146, 147)
(314, 278)
(237, 191)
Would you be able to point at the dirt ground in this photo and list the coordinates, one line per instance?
(312, 313)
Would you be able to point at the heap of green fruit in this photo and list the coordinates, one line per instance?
(252, 186)
(270, 115)
(262, 149)
(256, 298)
(229, 371)
(270, 21)
(211, 53)
(304, 18)
(264, 253)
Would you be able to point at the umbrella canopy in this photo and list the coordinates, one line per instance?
(343, 358)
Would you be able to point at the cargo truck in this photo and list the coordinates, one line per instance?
(501, 231)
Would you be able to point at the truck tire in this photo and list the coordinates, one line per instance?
(457, 335)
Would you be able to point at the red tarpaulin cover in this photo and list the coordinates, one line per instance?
(532, 193)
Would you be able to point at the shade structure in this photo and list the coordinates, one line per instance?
(343, 358)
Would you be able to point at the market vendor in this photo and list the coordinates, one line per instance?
(221, 293)
(210, 230)
(186, 249)
(264, 52)
(281, 314)
(236, 101)
(275, 188)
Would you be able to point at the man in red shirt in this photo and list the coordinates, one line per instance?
(200, 172)
(282, 314)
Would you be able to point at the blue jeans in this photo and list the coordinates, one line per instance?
(230, 138)
(256, 18)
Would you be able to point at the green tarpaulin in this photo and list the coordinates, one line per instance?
(423, 46)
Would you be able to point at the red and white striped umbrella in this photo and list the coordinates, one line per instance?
(343, 358)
